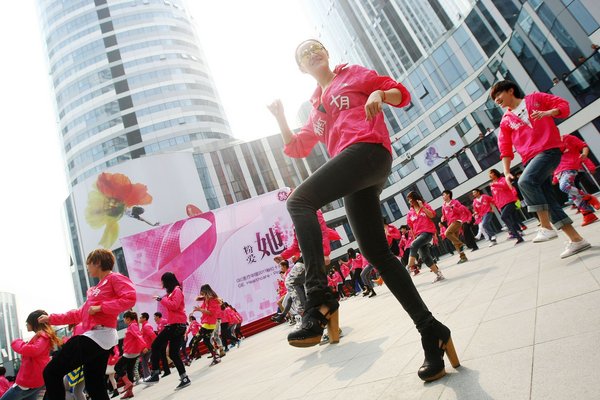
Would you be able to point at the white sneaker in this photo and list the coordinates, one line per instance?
(492, 243)
(543, 235)
(438, 277)
(574, 248)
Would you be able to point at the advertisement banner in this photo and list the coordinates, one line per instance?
(437, 152)
(135, 196)
(231, 249)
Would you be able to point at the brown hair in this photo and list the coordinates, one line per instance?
(131, 315)
(104, 257)
(36, 326)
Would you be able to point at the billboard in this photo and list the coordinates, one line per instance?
(231, 248)
(135, 196)
(439, 151)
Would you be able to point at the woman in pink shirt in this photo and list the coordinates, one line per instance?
(172, 334)
(419, 219)
(505, 198)
(113, 294)
(575, 152)
(347, 116)
(4, 383)
(482, 211)
(453, 214)
(133, 345)
(210, 309)
(528, 125)
(355, 259)
(149, 336)
(35, 355)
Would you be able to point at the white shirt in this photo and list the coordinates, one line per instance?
(522, 113)
(107, 338)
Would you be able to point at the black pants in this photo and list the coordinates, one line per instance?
(357, 279)
(226, 336)
(510, 217)
(125, 365)
(469, 237)
(206, 335)
(358, 174)
(171, 335)
(194, 350)
(79, 350)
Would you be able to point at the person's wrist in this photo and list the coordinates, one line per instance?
(382, 94)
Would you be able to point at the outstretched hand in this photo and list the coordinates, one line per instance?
(276, 108)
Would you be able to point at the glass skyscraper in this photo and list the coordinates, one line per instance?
(129, 79)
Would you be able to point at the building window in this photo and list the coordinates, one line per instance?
(393, 206)
(466, 165)
(432, 186)
(582, 15)
(486, 151)
(447, 177)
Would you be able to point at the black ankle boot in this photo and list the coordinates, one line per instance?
(436, 341)
(313, 324)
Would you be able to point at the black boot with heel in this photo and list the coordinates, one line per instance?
(436, 341)
(313, 324)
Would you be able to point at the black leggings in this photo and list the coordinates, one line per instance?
(173, 336)
(226, 336)
(358, 174)
(79, 350)
(125, 365)
(206, 335)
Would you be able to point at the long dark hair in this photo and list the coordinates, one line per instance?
(207, 292)
(169, 281)
(37, 326)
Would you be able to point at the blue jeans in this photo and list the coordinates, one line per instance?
(487, 225)
(16, 393)
(421, 245)
(536, 186)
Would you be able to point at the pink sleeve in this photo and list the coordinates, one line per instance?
(174, 301)
(125, 296)
(551, 101)
(393, 232)
(303, 142)
(505, 140)
(37, 346)
(70, 317)
(373, 81)
(292, 249)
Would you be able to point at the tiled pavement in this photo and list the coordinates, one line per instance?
(525, 323)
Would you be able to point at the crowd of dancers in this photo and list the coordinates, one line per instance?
(347, 117)
(90, 361)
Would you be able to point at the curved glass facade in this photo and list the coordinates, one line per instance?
(129, 79)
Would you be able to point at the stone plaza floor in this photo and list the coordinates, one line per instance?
(526, 325)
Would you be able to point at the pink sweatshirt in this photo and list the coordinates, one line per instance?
(454, 211)
(420, 222)
(194, 328)
(334, 279)
(4, 385)
(35, 355)
(481, 206)
(345, 269)
(344, 121)
(115, 294)
(531, 140)
(175, 305)
(148, 334)
(392, 233)
(327, 234)
(358, 263)
(502, 193)
(160, 325)
(134, 342)
(572, 147)
(114, 356)
(214, 306)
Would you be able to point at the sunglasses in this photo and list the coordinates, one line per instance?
(307, 52)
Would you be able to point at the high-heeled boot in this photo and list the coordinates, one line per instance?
(436, 341)
(313, 324)
(127, 389)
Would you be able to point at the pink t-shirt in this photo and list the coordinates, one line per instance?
(572, 147)
(541, 135)
(454, 211)
(502, 193)
(420, 222)
(340, 120)
(482, 205)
